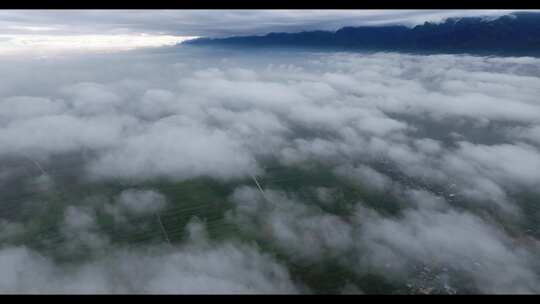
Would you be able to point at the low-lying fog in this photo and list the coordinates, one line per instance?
(137, 172)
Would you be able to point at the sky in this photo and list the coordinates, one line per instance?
(105, 30)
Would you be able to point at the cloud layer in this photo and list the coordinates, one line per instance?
(450, 141)
(211, 22)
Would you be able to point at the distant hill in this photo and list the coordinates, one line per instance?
(513, 34)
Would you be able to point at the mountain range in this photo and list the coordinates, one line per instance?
(516, 34)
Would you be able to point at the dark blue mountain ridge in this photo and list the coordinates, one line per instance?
(516, 34)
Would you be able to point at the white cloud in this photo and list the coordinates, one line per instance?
(176, 148)
(20, 107)
(194, 268)
(507, 163)
(448, 239)
(448, 134)
(364, 175)
(141, 201)
(305, 232)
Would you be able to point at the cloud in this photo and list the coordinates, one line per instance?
(363, 174)
(141, 201)
(194, 268)
(51, 134)
(529, 133)
(80, 230)
(510, 163)
(211, 23)
(429, 234)
(176, 148)
(449, 139)
(91, 98)
(219, 121)
(305, 232)
(26, 107)
(449, 239)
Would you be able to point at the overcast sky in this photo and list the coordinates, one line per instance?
(29, 29)
(208, 22)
